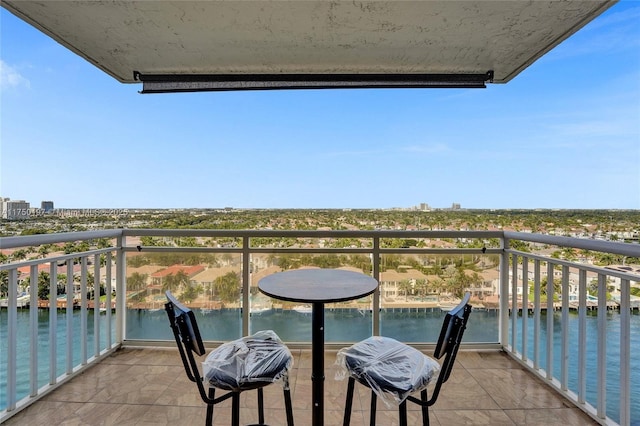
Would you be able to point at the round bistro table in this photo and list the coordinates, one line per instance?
(317, 287)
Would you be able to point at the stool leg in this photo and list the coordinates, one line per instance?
(212, 395)
(235, 409)
(348, 402)
(403, 413)
(372, 419)
(260, 407)
(425, 408)
(288, 407)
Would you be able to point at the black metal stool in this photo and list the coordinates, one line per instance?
(248, 363)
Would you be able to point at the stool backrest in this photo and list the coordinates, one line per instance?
(453, 326)
(184, 325)
(187, 336)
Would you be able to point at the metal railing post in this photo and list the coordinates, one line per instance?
(69, 315)
(96, 305)
(625, 352)
(601, 405)
(550, 312)
(53, 322)
(12, 334)
(536, 314)
(514, 303)
(246, 309)
(525, 307)
(107, 303)
(582, 336)
(121, 296)
(564, 349)
(503, 331)
(83, 310)
(33, 329)
(375, 323)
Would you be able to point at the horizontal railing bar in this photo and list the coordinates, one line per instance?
(625, 249)
(239, 233)
(308, 250)
(212, 344)
(40, 239)
(65, 257)
(241, 250)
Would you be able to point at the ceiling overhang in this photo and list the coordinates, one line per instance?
(235, 45)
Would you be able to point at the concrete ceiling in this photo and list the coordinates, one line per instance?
(309, 37)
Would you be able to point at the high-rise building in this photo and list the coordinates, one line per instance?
(47, 206)
(15, 209)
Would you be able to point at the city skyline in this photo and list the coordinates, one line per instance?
(563, 134)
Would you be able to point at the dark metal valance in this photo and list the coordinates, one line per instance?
(168, 83)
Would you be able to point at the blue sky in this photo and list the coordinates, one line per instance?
(565, 133)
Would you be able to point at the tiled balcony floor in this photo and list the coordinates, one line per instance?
(149, 387)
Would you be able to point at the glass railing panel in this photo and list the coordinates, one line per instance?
(209, 283)
(416, 291)
(344, 322)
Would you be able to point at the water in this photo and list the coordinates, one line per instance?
(612, 356)
(23, 349)
(341, 325)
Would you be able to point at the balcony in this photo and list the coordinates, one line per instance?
(576, 363)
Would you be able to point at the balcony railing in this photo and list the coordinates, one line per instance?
(576, 331)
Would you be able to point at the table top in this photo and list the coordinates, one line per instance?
(317, 285)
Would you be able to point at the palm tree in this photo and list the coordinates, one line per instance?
(4, 283)
(437, 285)
(227, 287)
(182, 279)
(170, 283)
(136, 281)
(191, 293)
(405, 286)
(421, 287)
(44, 284)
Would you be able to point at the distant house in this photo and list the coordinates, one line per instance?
(207, 276)
(158, 277)
(24, 273)
(258, 274)
(390, 280)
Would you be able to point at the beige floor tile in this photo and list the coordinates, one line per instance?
(109, 414)
(140, 386)
(172, 415)
(43, 412)
(514, 388)
(472, 417)
(143, 385)
(463, 391)
(484, 359)
(550, 417)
